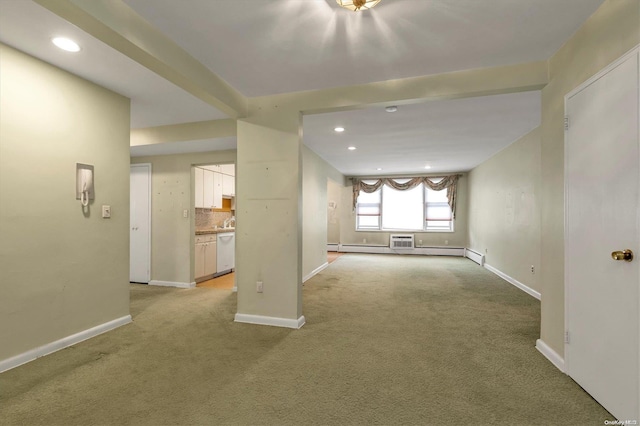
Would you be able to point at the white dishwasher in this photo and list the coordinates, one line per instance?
(226, 252)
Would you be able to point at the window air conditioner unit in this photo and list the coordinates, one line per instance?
(401, 241)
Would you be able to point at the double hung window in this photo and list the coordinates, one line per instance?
(416, 209)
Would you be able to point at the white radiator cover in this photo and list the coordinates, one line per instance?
(401, 241)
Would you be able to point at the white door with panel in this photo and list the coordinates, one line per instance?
(140, 223)
(602, 181)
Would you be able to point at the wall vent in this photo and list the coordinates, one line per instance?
(401, 242)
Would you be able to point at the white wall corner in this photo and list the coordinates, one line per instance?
(314, 272)
(551, 355)
(513, 281)
(272, 321)
(65, 342)
(172, 284)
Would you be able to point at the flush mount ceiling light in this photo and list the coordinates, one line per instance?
(427, 167)
(352, 148)
(339, 129)
(391, 108)
(66, 44)
(356, 5)
(379, 168)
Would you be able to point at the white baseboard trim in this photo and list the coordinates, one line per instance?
(273, 321)
(172, 284)
(333, 247)
(314, 272)
(65, 342)
(551, 355)
(526, 289)
(475, 256)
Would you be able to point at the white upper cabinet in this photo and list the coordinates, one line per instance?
(228, 185)
(208, 189)
(199, 190)
(217, 191)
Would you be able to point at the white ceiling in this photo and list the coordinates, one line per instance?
(450, 136)
(263, 47)
(29, 27)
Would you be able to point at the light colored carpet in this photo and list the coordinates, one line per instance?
(389, 340)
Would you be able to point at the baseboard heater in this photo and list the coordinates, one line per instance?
(379, 249)
(475, 256)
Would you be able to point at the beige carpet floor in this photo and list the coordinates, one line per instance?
(389, 340)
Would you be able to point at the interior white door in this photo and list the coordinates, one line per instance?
(140, 223)
(602, 181)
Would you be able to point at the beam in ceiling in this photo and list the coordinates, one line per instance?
(120, 27)
(211, 129)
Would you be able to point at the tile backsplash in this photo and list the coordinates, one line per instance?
(205, 218)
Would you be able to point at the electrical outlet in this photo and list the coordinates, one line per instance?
(185, 213)
(533, 269)
(446, 242)
(106, 212)
(259, 286)
(364, 241)
(419, 242)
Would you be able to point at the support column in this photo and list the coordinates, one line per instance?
(269, 232)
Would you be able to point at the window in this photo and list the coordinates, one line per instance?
(368, 211)
(417, 209)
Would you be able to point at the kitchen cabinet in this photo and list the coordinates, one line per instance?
(199, 190)
(226, 251)
(208, 189)
(205, 257)
(217, 191)
(228, 185)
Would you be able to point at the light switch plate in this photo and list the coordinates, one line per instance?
(106, 212)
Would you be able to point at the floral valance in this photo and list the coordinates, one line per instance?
(449, 182)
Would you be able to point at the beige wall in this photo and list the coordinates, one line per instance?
(334, 194)
(458, 238)
(504, 209)
(269, 213)
(61, 271)
(613, 30)
(315, 174)
(172, 235)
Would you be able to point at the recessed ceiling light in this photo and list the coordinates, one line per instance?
(339, 129)
(66, 44)
(351, 148)
(427, 167)
(391, 108)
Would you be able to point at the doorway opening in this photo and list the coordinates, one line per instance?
(215, 223)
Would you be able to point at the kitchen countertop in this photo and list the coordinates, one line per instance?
(206, 231)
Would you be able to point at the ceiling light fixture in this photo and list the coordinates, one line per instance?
(356, 5)
(66, 44)
(352, 148)
(391, 108)
(379, 168)
(339, 129)
(427, 167)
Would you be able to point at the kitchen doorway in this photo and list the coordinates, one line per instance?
(215, 223)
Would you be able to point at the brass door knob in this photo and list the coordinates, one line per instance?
(623, 255)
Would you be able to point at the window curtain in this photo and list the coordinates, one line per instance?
(449, 182)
